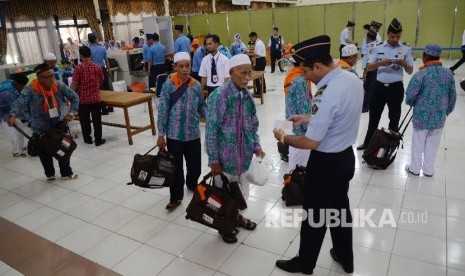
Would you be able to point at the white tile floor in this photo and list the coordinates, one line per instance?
(127, 229)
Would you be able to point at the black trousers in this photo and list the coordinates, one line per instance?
(460, 62)
(392, 95)
(47, 162)
(275, 56)
(326, 187)
(260, 66)
(156, 70)
(85, 111)
(191, 151)
(368, 87)
(340, 50)
(105, 86)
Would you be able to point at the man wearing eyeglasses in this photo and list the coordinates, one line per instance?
(391, 59)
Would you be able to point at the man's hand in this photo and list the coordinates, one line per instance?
(384, 62)
(260, 153)
(68, 117)
(161, 143)
(109, 73)
(298, 120)
(216, 169)
(11, 120)
(278, 133)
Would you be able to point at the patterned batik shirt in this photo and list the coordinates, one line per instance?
(231, 136)
(298, 102)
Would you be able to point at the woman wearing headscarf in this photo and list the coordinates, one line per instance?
(238, 47)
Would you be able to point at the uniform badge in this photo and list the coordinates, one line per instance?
(314, 109)
(320, 91)
(401, 51)
(292, 50)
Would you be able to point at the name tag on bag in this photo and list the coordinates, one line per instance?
(53, 112)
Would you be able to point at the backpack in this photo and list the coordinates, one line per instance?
(292, 192)
(213, 206)
(383, 146)
(153, 171)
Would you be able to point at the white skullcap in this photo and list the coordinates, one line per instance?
(181, 56)
(50, 56)
(349, 50)
(237, 60)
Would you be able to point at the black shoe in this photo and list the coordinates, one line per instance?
(90, 142)
(110, 109)
(348, 268)
(293, 265)
(272, 72)
(362, 147)
(105, 113)
(101, 142)
(282, 71)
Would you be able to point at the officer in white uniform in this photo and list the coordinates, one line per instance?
(369, 77)
(375, 26)
(332, 130)
(391, 58)
(346, 36)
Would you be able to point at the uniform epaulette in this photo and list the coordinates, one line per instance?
(381, 43)
(320, 91)
(405, 43)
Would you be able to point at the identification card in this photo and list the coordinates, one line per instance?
(215, 78)
(53, 112)
(277, 46)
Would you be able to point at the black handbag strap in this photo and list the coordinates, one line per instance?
(210, 176)
(176, 95)
(20, 130)
(150, 150)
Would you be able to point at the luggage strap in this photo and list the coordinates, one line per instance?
(153, 186)
(20, 130)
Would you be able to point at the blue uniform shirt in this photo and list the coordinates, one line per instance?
(393, 72)
(198, 56)
(157, 53)
(336, 111)
(145, 52)
(8, 94)
(182, 44)
(99, 54)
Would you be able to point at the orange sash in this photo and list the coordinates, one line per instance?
(428, 63)
(294, 73)
(47, 94)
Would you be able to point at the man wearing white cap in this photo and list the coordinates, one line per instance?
(349, 56)
(51, 61)
(181, 106)
(231, 135)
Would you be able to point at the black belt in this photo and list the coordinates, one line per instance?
(332, 153)
(389, 84)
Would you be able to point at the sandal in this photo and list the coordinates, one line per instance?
(51, 179)
(23, 155)
(71, 177)
(173, 205)
(230, 237)
(15, 154)
(246, 223)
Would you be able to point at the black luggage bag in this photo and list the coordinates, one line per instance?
(213, 206)
(55, 142)
(293, 187)
(383, 146)
(153, 171)
(283, 150)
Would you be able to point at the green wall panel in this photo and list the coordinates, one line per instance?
(311, 21)
(406, 12)
(336, 17)
(218, 25)
(262, 24)
(286, 20)
(365, 12)
(239, 23)
(436, 19)
(459, 28)
(198, 24)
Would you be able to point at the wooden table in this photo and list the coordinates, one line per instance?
(258, 75)
(125, 100)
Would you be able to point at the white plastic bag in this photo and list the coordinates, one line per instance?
(257, 173)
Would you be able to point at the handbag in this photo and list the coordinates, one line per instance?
(153, 171)
(292, 192)
(213, 206)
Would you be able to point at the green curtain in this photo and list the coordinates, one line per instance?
(199, 24)
(364, 13)
(218, 25)
(459, 28)
(239, 23)
(311, 21)
(262, 23)
(336, 17)
(286, 20)
(406, 12)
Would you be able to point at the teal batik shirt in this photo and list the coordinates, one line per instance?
(231, 136)
(298, 102)
(435, 88)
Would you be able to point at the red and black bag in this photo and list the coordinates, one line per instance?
(292, 192)
(213, 206)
